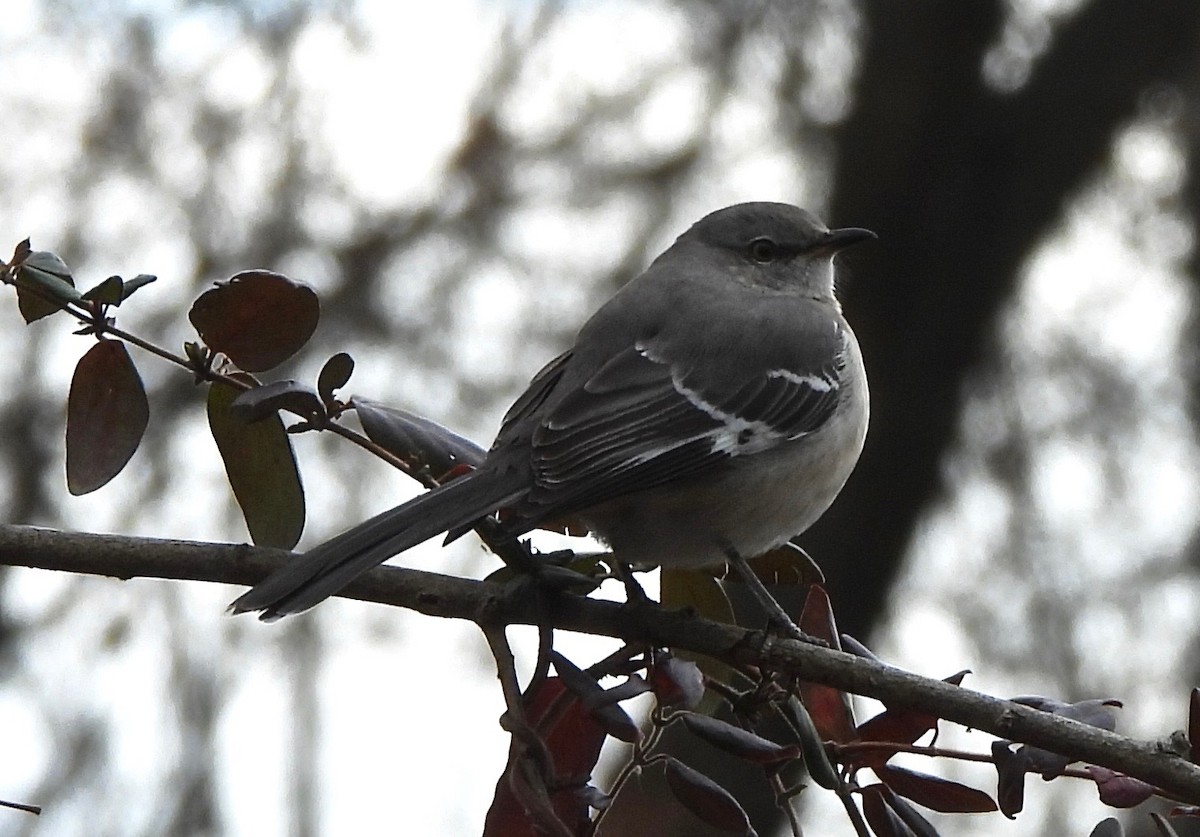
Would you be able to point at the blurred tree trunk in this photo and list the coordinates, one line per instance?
(961, 182)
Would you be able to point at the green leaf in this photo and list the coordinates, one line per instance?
(44, 285)
(139, 281)
(696, 590)
(258, 319)
(107, 413)
(262, 471)
(111, 291)
(699, 591)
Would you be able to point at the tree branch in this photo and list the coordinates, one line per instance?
(493, 603)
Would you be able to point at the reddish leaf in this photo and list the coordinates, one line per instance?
(107, 413)
(829, 707)
(334, 375)
(262, 471)
(935, 793)
(706, 799)
(258, 318)
(737, 741)
(1194, 726)
(899, 726)
(1118, 790)
(902, 726)
(573, 738)
(676, 682)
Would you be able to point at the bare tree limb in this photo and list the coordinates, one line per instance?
(493, 603)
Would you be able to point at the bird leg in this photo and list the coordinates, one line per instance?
(777, 617)
(634, 594)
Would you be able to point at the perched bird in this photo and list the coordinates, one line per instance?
(708, 412)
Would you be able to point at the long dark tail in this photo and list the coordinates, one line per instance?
(327, 568)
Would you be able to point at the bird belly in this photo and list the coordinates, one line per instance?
(692, 525)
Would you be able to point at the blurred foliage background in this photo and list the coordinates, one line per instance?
(462, 183)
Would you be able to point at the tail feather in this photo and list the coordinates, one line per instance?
(327, 568)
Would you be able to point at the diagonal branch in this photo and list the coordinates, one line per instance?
(490, 603)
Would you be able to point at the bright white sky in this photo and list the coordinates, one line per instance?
(410, 739)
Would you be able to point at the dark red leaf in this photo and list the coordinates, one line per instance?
(1194, 726)
(258, 319)
(935, 793)
(829, 707)
(573, 738)
(706, 799)
(737, 741)
(107, 413)
(1118, 790)
(899, 726)
(20, 252)
(676, 682)
(262, 470)
(334, 375)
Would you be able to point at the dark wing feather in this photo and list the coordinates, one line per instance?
(641, 420)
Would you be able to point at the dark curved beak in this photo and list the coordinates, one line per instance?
(837, 240)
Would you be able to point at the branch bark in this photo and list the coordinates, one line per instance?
(489, 603)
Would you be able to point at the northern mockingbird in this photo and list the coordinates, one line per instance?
(709, 411)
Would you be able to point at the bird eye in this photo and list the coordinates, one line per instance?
(763, 250)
